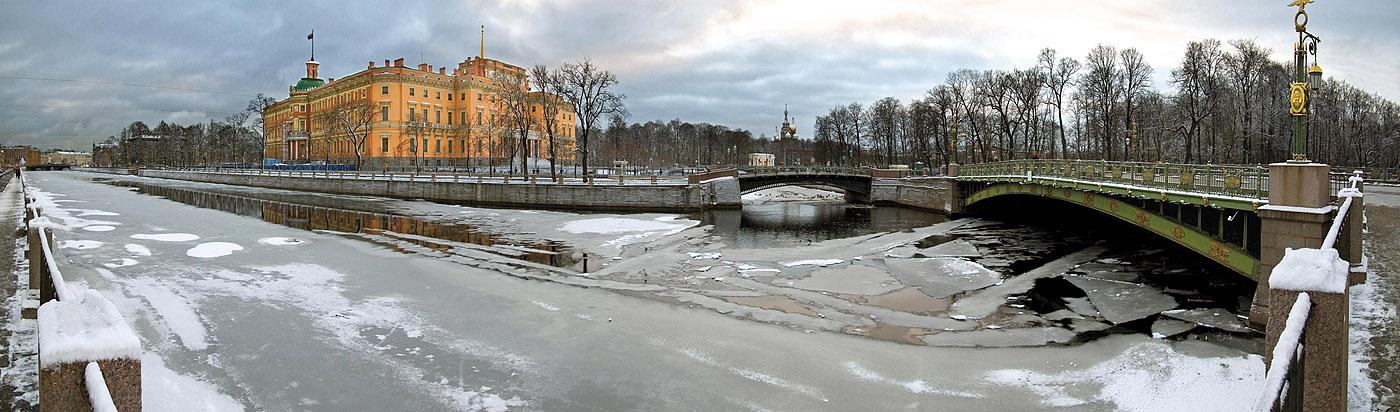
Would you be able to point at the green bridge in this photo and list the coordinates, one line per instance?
(1210, 209)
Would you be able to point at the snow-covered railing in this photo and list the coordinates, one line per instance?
(1286, 353)
(1319, 278)
(98, 394)
(80, 332)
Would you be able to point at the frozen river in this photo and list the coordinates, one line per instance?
(558, 311)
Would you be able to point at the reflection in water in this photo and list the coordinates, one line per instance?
(418, 231)
(786, 224)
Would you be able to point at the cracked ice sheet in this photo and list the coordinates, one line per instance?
(957, 247)
(1121, 302)
(1211, 318)
(1148, 376)
(940, 277)
(853, 279)
(845, 248)
(985, 302)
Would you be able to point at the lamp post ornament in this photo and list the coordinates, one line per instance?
(1132, 143)
(953, 142)
(1305, 79)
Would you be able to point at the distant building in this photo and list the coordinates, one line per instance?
(21, 155)
(434, 118)
(761, 159)
(68, 157)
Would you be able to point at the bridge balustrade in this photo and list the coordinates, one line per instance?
(1246, 181)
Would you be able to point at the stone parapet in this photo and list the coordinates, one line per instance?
(1324, 342)
(710, 194)
(62, 387)
(939, 194)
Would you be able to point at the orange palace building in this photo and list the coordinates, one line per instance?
(420, 117)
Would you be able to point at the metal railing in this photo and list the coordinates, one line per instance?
(449, 177)
(1246, 181)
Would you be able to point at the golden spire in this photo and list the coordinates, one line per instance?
(483, 43)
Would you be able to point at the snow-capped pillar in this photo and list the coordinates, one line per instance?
(1297, 216)
(73, 333)
(1322, 274)
(1349, 240)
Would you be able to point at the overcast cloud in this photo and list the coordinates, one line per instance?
(727, 62)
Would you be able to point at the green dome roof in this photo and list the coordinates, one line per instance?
(307, 83)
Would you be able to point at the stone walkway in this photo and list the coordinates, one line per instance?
(1383, 243)
(18, 349)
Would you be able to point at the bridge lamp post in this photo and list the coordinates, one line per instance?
(953, 143)
(1304, 79)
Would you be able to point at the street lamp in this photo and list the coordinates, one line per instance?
(1304, 78)
(953, 143)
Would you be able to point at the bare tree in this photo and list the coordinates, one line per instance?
(1246, 67)
(884, 117)
(1196, 80)
(513, 98)
(547, 82)
(1136, 78)
(589, 90)
(348, 124)
(409, 134)
(1058, 75)
(1101, 86)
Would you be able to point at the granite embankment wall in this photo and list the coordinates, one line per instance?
(939, 194)
(711, 194)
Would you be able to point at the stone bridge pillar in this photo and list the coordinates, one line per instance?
(1296, 217)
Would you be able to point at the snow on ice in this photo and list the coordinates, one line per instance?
(1147, 377)
(280, 241)
(79, 244)
(166, 237)
(213, 249)
(138, 250)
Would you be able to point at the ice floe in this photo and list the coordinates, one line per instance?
(213, 249)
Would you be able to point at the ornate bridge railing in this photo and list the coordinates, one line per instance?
(1248, 184)
(1244, 181)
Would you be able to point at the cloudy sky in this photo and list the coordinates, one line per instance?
(75, 72)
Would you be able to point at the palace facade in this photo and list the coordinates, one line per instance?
(414, 117)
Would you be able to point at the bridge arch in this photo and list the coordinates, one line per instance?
(1225, 253)
(857, 187)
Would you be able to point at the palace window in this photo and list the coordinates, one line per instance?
(449, 144)
(464, 118)
(410, 91)
(383, 113)
(437, 95)
(425, 114)
(464, 97)
(449, 97)
(478, 97)
(384, 143)
(437, 116)
(383, 89)
(437, 146)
